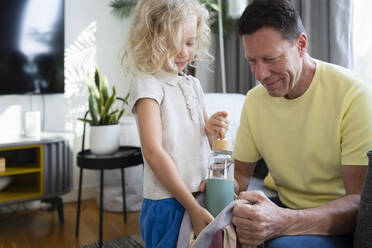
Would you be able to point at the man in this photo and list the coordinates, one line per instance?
(312, 123)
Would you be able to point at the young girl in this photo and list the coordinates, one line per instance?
(175, 132)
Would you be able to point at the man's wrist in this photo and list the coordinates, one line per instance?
(289, 219)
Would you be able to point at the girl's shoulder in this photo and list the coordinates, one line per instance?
(145, 86)
(146, 82)
(142, 83)
(144, 78)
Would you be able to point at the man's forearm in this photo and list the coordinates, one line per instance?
(243, 182)
(242, 173)
(335, 218)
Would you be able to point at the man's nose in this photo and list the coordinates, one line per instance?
(261, 71)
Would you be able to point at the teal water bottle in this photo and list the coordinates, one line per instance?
(220, 181)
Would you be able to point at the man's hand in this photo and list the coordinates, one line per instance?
(258, 221)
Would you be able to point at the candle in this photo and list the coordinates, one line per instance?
(32, 123)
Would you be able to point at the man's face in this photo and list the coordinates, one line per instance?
(275, 62)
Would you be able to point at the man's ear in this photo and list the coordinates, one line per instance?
(301, 43)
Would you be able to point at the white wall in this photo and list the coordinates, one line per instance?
(61, 110)
(110, 36)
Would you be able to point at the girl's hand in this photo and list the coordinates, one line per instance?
(200, 218)
(217, 125)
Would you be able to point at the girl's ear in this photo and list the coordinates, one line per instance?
(301, 43)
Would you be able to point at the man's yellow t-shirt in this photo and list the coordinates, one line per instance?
(304, 141)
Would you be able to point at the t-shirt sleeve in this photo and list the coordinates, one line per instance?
(245, 149)
(145, 86)
(356, 128)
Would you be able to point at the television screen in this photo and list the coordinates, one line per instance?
(31, 46)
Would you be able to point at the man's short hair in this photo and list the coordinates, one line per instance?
(277, 14)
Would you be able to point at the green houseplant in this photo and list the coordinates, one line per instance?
(104, 115)
(101, 104)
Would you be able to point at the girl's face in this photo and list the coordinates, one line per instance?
(188, 44)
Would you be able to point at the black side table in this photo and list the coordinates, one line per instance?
(126, 156)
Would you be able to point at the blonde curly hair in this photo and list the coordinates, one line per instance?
(155, 34)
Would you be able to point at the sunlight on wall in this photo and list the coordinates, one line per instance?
(363, 38)
(80, 60)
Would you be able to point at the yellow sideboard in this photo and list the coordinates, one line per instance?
(25, 165)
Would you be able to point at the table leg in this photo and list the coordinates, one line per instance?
(123, 190)
(79, 201)
(101, 209)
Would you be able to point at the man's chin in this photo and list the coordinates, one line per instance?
(275, 93)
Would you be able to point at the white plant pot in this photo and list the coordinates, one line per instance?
(104, 140)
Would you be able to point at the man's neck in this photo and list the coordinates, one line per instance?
(306, 77)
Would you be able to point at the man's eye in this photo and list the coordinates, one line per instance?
(252, 62)
(270, 59)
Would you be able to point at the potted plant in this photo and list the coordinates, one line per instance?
(104, 116)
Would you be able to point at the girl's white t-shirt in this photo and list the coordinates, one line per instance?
(181, 103)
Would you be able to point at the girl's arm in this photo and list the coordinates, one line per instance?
(216, 126)
(162, 165)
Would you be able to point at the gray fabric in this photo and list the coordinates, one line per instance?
(206, 236)
(363, 231)
(329, 25)
(239, 78)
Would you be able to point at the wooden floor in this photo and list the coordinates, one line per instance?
(41, 229)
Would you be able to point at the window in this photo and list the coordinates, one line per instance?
(363, 38)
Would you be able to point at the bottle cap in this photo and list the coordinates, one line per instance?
(221, 145)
